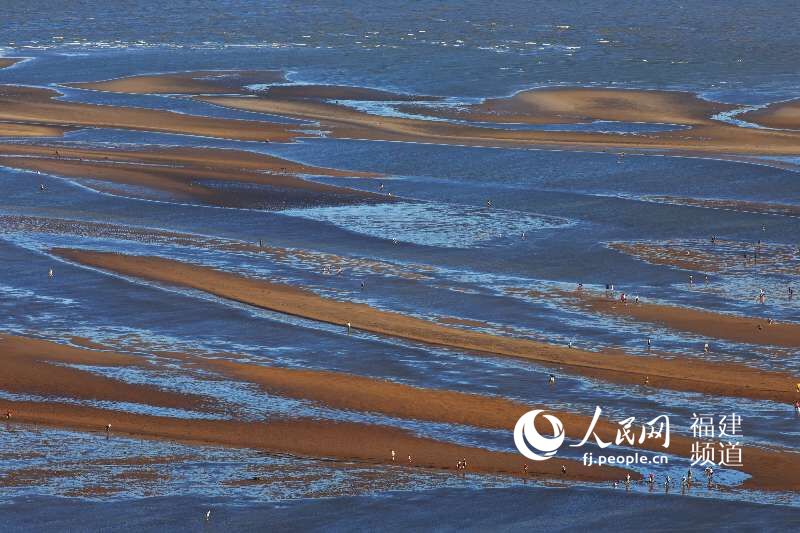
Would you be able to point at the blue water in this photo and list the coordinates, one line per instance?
(440, 251)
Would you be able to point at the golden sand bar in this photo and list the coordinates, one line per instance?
(32, 366)
(340, 391)
(724, 326)
(768, 468)
(196, 82)
(783, 115)
(182, 171)
(8, 61)
(38, 106)
(704, 136)
(344, 441)
(571, 105)
(685, 374)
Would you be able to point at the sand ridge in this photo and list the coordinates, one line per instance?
(686, 374)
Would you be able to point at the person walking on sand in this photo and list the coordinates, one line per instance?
(394, 455)
(563, 469)
(410, 460)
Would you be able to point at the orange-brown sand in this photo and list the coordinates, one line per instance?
(356, 393)
(572, 105)
(38, 107)
(35, 367)
(743, 206)
(722, 256)
(11, 129)
(687, 374)
(319, 261)
(339, 92)
(707, 323)
(186, 172)
(196, 82)
(783, 115)
(705, 135)
(347, 391)
(344, 441)
(8, 61)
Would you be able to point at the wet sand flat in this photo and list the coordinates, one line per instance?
(303, 437)
(569, 105)
(346, 391)
(8, 61)
(39, 107)
(195, 82)
(337, 390)
(687, 374)
(742, 206)
(36, 367)
(185, 172)
(781, 115)
(705, 135)
(734, 328)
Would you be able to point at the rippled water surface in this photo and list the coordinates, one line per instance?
(472, 232)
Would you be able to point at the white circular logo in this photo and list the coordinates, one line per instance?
(526, 436)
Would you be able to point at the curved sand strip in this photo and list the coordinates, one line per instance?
(768, 468)
(8, 61)
(724, 326)
(569, 105)
(782, 115)
(705, 136)
(194, 82)
(680, 374)
(38, 106)
(35, 367)
(344, 441)
(192, 173)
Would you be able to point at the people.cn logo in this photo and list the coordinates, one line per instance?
(526, 436)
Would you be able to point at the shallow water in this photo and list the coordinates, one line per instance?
(442, 251)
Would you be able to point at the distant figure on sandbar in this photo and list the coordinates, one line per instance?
(394, 455)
